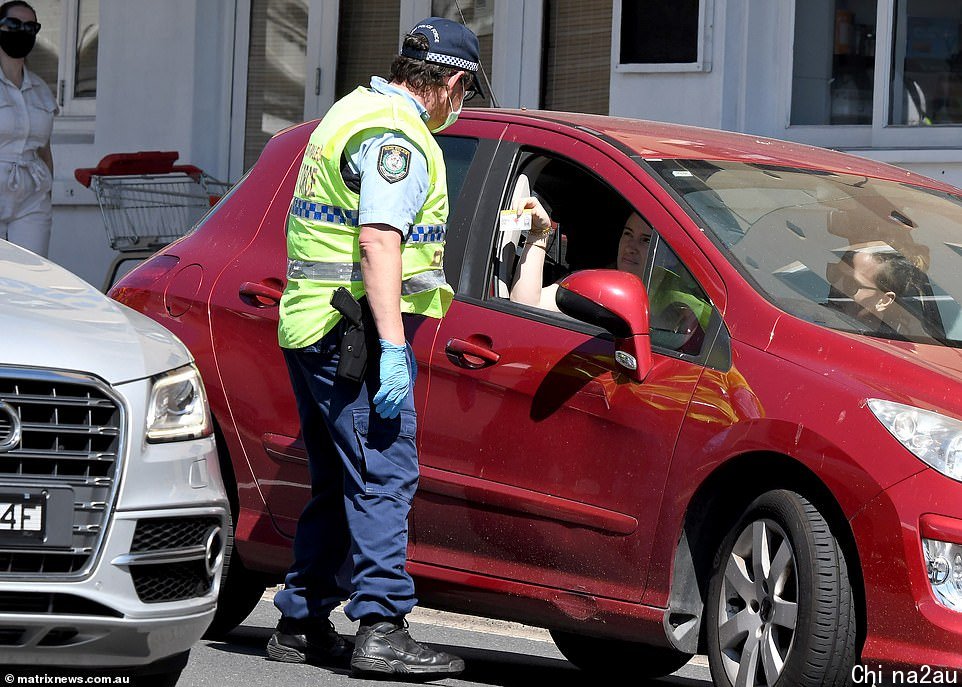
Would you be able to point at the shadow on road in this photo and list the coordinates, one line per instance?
(484, 666)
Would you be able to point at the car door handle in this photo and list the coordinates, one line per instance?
(260, 294)
(470, 355)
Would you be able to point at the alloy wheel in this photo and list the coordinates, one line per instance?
(758, 605)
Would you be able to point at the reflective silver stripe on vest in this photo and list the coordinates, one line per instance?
(317, 212)
(351, 271)
(324, 271)
(423, 282)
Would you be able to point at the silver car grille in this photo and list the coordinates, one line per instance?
(72, 434)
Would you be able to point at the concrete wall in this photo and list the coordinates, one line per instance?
(741, 92)
(751, 86)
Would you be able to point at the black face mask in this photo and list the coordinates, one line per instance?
(17, 44)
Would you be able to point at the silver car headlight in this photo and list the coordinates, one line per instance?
(935, 439)
(178, 407)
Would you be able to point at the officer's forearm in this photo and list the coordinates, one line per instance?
(381, 271)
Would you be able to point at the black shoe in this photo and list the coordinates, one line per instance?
(387, 648)
(309, 641)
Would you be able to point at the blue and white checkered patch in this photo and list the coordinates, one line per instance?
(427, 233)
(324, 213)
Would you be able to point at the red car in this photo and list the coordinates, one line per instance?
(754, 450)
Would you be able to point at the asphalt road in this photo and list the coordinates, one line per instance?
(496, 653)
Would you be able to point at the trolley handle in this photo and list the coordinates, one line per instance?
(142, 162)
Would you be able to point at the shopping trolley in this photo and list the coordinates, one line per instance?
(147, 201)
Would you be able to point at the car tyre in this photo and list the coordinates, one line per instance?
(604, 658)
(780, 603)
(240, 590)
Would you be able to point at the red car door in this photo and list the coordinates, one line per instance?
(540, 461)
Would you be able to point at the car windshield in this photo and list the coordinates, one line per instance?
(849, 252)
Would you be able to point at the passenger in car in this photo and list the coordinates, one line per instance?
(528, 287)
(871, 285)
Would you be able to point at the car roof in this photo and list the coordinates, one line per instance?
(661, 140)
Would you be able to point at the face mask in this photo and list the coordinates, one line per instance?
(452, 115)
(17, 44)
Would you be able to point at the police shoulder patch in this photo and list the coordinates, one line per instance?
(393, 162)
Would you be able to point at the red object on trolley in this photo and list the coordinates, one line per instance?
(143, 162)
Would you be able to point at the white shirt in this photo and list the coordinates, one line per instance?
(26, 121)
(26, 115)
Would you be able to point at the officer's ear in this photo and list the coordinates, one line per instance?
(452, 81)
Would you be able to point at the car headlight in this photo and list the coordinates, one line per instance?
(935, 439)
(178, 407)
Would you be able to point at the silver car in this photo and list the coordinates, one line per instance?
(113, 515)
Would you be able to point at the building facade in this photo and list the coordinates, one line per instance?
(214, 79)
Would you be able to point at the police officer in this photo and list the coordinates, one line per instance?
(368, 215)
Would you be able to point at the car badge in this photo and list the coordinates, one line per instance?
(626, 360)
(10, 428)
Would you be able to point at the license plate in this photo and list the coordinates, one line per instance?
(23, 517)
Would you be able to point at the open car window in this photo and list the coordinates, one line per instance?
(598, 229)
(590, 215)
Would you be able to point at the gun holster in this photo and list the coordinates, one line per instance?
(358, 328)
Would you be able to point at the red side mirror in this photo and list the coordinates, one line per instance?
(617, 302)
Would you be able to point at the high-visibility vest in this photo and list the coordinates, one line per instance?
(322, 225)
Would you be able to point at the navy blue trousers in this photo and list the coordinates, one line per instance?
(351, 539)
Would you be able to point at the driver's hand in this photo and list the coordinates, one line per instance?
(539, 217)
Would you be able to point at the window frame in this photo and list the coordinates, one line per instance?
(322, 18)
(706, 11)
(75, 114)
(70, 105)
(894, 139)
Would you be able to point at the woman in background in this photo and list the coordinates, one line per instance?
(26, 120)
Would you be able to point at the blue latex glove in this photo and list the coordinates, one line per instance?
(395, 380)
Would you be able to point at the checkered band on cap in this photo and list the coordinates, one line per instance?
(440, 58)
(451, 61)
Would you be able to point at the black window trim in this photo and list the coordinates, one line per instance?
(461, 220)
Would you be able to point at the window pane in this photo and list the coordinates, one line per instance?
(479, 17)
(275, 72)
(44, 59)
(367, 41)
(680, 310)
(833, 81)
(88, 31)
(927, 63)
(577, 56)
(658, 32)
(458, 156)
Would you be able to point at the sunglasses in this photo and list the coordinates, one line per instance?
(469, 91)
(14, 24)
